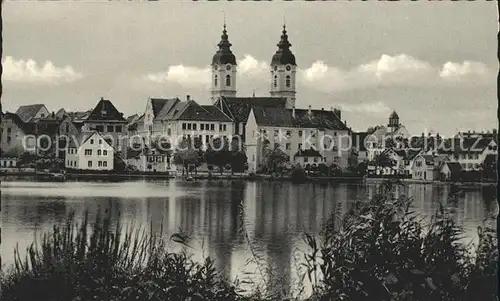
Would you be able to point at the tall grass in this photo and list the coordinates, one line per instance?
(379, 250)
(99, 262)
(382, 250)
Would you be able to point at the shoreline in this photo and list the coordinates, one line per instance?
(244, 177)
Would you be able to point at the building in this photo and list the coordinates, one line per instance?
(31, 113)
(308, 158)
(89, 151)
(16, 135)
(469, 151)
(8, 162)
(293, 130)
(425, 168)
(173, 119)
(358, 146)
(110, 123)
(386, 137)
(150, 159)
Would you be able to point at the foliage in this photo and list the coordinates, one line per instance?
(381, 250)
(298, 174)
(218, 153)
(99, 261)
(274, 159)
(188, 155)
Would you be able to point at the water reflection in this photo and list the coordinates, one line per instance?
(228, 221)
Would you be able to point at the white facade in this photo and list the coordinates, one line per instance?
(283, 83)
(473, 160)
(333, 145)
(93, 154)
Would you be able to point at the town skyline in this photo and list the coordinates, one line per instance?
(452, 74)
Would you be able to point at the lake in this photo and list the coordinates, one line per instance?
(252, 229)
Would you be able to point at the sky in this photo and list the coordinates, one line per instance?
(434, 63)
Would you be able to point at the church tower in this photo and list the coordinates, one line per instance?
(393, 121)
(223, 70)
(283, 70)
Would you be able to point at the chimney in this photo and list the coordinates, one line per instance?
(309, 111)
(188, 97)
(293, 111)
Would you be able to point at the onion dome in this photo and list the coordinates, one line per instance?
(224, 55)
(283, 55)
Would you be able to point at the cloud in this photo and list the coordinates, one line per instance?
(467, 70)
(30, 72)
(366, 108)
(388, 70)
(183, 75)
(190, 77)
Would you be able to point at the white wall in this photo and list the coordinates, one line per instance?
(97, 155)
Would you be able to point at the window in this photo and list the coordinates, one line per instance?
(315, 159)
(220, 127)
(194, 126)
(100, 141)
(104, 152)
(228, 80)
(189, 126)
(99, 164)
(91, 141)
(105, 164)
(275, 81)
(212, 127)
(288, 133)
(288, 146)
(276, 133)
(183, 126)
(88, 152)
(110, 128)
(207, 127)
(287, 81)
(299, 146)
(9, 130)
(99, 128)
(98, 152)
(89, 164)
(69, 163)
(215, 80)
(306, 159)
(169, 132)
(224, 127)
(202, 126)
(118, 128)
(42, 115)
(300, 133)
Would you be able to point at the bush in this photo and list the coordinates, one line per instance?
(74, 264)
(381, 250)
(298, 175)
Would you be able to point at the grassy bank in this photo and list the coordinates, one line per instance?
(379, 250)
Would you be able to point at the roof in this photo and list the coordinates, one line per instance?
(105, 111)
(82, 137)
(132, 118)
(167, 107)
(308, 153)
(79, 116)
(429, 159)
(358, 140)
(283, 55)
(224, 55)
(278, 117)
(412, 153)
(394, 115)
(27, 113)
(465, 145)
(239, 108)
(193, 111)
(454, 167)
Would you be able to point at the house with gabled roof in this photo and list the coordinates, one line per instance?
(293, 130)
(89, 151)
(174, 119)
(450, 171)
(32, 113)
(110, 123)
(426, 168)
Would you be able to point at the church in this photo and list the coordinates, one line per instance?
(231, 115)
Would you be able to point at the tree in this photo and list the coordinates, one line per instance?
(218, 153)
(274, 159)
(238, 161)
